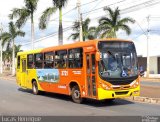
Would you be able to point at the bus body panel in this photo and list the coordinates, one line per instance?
(61, 83)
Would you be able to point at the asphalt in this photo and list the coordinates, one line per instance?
(150, 87)
(16, 101)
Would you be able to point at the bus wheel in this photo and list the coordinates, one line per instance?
(76, 94)
(35, 88)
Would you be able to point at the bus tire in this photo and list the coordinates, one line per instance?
(76, 94)
(35, 88)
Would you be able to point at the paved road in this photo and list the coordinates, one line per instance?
(15, 101)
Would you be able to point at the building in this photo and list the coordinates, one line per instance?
(154, 64)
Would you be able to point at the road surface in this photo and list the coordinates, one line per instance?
(16, 101)
(150, 89)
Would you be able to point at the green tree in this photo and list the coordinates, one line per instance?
(108, 26)
(8, 38)
(88, 32)
(7, 54)
(23, 14)
(57, 4)
(17, 49)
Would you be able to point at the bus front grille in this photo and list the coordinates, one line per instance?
(121, 93)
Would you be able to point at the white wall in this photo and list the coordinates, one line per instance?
(153, 65)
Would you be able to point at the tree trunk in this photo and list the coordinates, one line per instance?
(60, 31)
(32, 31)
(13, 59)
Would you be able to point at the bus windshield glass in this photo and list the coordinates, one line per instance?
(118, 60)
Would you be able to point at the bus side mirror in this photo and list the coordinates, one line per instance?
(97, 56)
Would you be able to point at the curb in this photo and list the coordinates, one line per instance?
(145, 99)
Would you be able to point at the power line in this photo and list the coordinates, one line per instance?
(74, 9)
(94, 7)
(48, 36)
(127, 10)
(131, 8)
(141, 28)
(103, 7)
(88, 3)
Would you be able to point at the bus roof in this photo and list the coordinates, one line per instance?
(73, 45)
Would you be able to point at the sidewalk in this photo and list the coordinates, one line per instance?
(7, 76)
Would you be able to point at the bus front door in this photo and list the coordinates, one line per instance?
(91, 71)
(23, 73)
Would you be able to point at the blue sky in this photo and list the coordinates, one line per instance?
(137, 9)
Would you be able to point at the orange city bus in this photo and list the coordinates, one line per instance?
(97, 69)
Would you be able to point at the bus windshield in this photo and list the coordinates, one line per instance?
(118, 60)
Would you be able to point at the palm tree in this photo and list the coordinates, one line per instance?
(108, 26)
(17, 49)
(88, 32)
(7, 54)
(8, 38)
(23, 14)
(48, 12)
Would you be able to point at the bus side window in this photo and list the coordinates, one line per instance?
(49, 60)
(61, 59)
(18, 62)
(38, 58)
(30, 61)
(75, 58)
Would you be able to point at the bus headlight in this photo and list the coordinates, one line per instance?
(105, 86)
(135, 83)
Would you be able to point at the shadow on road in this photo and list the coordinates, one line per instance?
(89, 102)
(103, 103)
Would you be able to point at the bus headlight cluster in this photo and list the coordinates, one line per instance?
(104, 86)
(134, 84)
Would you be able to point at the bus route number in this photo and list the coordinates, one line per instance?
(64, 73)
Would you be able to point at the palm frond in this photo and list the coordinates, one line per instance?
(74, 36)
(76, 26)
(46, 16)
(6, 37)
(110, 12)
(20, 33)
(15, 13)
(60, 3)
(12, 28)
(31, 5)
(126, 20)
(24, 16)
(126, 29)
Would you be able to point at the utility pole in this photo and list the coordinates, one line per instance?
(1, 62)
(148, 57)
(80, 20)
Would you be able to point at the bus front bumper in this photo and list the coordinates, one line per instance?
(109, 94)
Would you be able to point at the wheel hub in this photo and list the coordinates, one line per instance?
(76, 94)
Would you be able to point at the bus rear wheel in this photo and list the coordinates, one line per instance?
(35, 88)
(76, 94)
